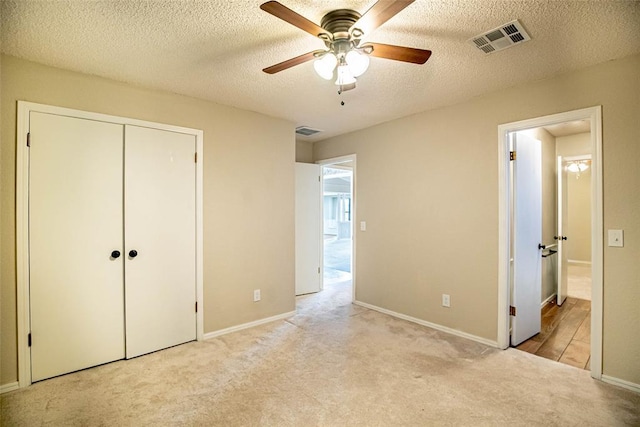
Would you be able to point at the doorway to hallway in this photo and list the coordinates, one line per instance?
(337, 215)
(574, 324)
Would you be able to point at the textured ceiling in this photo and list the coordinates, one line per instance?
(215, 50)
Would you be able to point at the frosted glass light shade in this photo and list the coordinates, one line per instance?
(357, 62)
(344, 76)
(576, 167)
(324, 66)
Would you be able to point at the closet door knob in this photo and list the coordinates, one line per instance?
(115, 254)
(133, 253)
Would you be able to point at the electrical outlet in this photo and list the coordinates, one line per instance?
(446, 300)
(256, 295)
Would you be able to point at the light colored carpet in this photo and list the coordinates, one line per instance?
(579, 281)
(333, 364)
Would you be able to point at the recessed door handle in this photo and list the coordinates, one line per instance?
(133, 253)
(115, 254)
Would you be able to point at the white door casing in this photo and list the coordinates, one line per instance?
(307, 228)
(75, 219)
(160, 227)
(527, 221)
(563, 214)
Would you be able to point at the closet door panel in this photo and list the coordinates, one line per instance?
(75, 223)
(160, 276)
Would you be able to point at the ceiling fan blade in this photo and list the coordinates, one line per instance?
(379, 13)
(398, 53)
(293, 18)
(291, 62)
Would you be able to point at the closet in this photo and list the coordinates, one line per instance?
(112, 241)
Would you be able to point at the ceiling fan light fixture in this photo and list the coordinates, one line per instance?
(578, 166)
(345, 77)
(324, 66)
(357, 62)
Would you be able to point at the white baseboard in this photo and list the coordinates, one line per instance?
(575, 261)
(5, 388)
(429, 324)
(236, 328)
(621, 383)
(545, 302)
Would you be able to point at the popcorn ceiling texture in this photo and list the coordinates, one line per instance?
(215, 50)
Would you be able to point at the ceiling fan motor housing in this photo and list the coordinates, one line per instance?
(338, 22)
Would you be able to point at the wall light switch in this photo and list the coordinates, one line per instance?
(256, 295)
(363, 225)
(616, 238)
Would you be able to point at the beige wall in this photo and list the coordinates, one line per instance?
(248, 191)
(427, 186)
(304, 152)
(573, 145)
(579, 226)
(578, 198)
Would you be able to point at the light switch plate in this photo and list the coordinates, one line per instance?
(616, 238)
(363, 226)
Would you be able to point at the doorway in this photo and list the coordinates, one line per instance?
(565, 261)
(508, 316)
(338, 213)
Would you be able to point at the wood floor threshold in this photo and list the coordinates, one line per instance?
(565, 334)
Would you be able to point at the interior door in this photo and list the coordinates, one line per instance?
(527, 235)
(75, 229)
(160, 239)
(307, 228)
(563, 220)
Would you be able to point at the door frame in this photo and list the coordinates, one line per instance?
(594, 115)
(22, 217)
(328, 162)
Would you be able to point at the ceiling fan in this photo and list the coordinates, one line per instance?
(342, 31)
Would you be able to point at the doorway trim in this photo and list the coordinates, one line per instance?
(332, 161)
(594, 115)
(23, 302)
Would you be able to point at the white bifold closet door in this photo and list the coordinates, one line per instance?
(112, 226)
(160, 225)
(75, 223)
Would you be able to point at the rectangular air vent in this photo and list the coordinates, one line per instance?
(500, 38)
(306, 131)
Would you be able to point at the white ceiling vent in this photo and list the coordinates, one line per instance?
(306, 131)
(500, 38)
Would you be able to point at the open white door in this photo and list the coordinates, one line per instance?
(562, 227)
(307, 228)
(527, 235)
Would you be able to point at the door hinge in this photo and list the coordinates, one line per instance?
(318, 270)
(28, 139)
(195, 158)
(512, 155)
(512, 311)
(29, 339)
(318, 178)
(196, 306)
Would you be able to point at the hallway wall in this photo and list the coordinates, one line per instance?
(579, 198)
